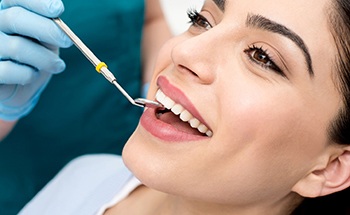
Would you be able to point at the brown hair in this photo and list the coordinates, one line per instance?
(340, 27)
(339, 131)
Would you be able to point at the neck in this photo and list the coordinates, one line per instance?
(147, 201)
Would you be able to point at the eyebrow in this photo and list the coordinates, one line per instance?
(258, 21)
(220, 4)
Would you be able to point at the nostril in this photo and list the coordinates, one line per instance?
(185, 69)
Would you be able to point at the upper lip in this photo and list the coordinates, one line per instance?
(179, 97)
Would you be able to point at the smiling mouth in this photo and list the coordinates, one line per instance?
(176, 115)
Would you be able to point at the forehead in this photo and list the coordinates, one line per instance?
(291, 6)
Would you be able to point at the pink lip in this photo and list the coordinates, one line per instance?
(166, 131)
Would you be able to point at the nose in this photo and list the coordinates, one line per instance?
(197, 56)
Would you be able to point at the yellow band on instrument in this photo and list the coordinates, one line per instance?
(99, 66)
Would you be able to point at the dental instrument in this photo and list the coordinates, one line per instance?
(101, 67)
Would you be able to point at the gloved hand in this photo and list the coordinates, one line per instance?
(29, 45)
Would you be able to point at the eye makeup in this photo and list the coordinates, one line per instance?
(198, 20)
(262, 58)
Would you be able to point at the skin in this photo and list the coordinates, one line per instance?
(5, 128)
(270, 142)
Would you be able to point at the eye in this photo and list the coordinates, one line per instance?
(261, 57)
(198, 20)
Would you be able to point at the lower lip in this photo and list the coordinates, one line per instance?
(165, 131)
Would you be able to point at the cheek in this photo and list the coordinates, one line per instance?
(256, 109)
(255, 112)
(268, 132)
(262, 146)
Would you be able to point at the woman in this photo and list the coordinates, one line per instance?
(265, 86)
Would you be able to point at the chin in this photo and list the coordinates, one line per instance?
(137, 158)
(145, 163)
(130, 152)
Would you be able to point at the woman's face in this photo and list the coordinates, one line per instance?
(258, 75)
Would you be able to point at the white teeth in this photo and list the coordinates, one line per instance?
(194, 123)
(160, 95)
(203, 129)
(209, 133)
(168, 103)
(185, 115)
(177, 109)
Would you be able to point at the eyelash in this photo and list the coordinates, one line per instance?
(268, 63)
(198, 20)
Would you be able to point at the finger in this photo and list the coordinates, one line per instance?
(27, 52)
(48, 8)
(19, 21)
(27, 92)
(14, 73)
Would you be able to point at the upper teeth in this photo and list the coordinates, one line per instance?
(185, 116)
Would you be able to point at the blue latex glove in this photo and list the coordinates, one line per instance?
(29, 45)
